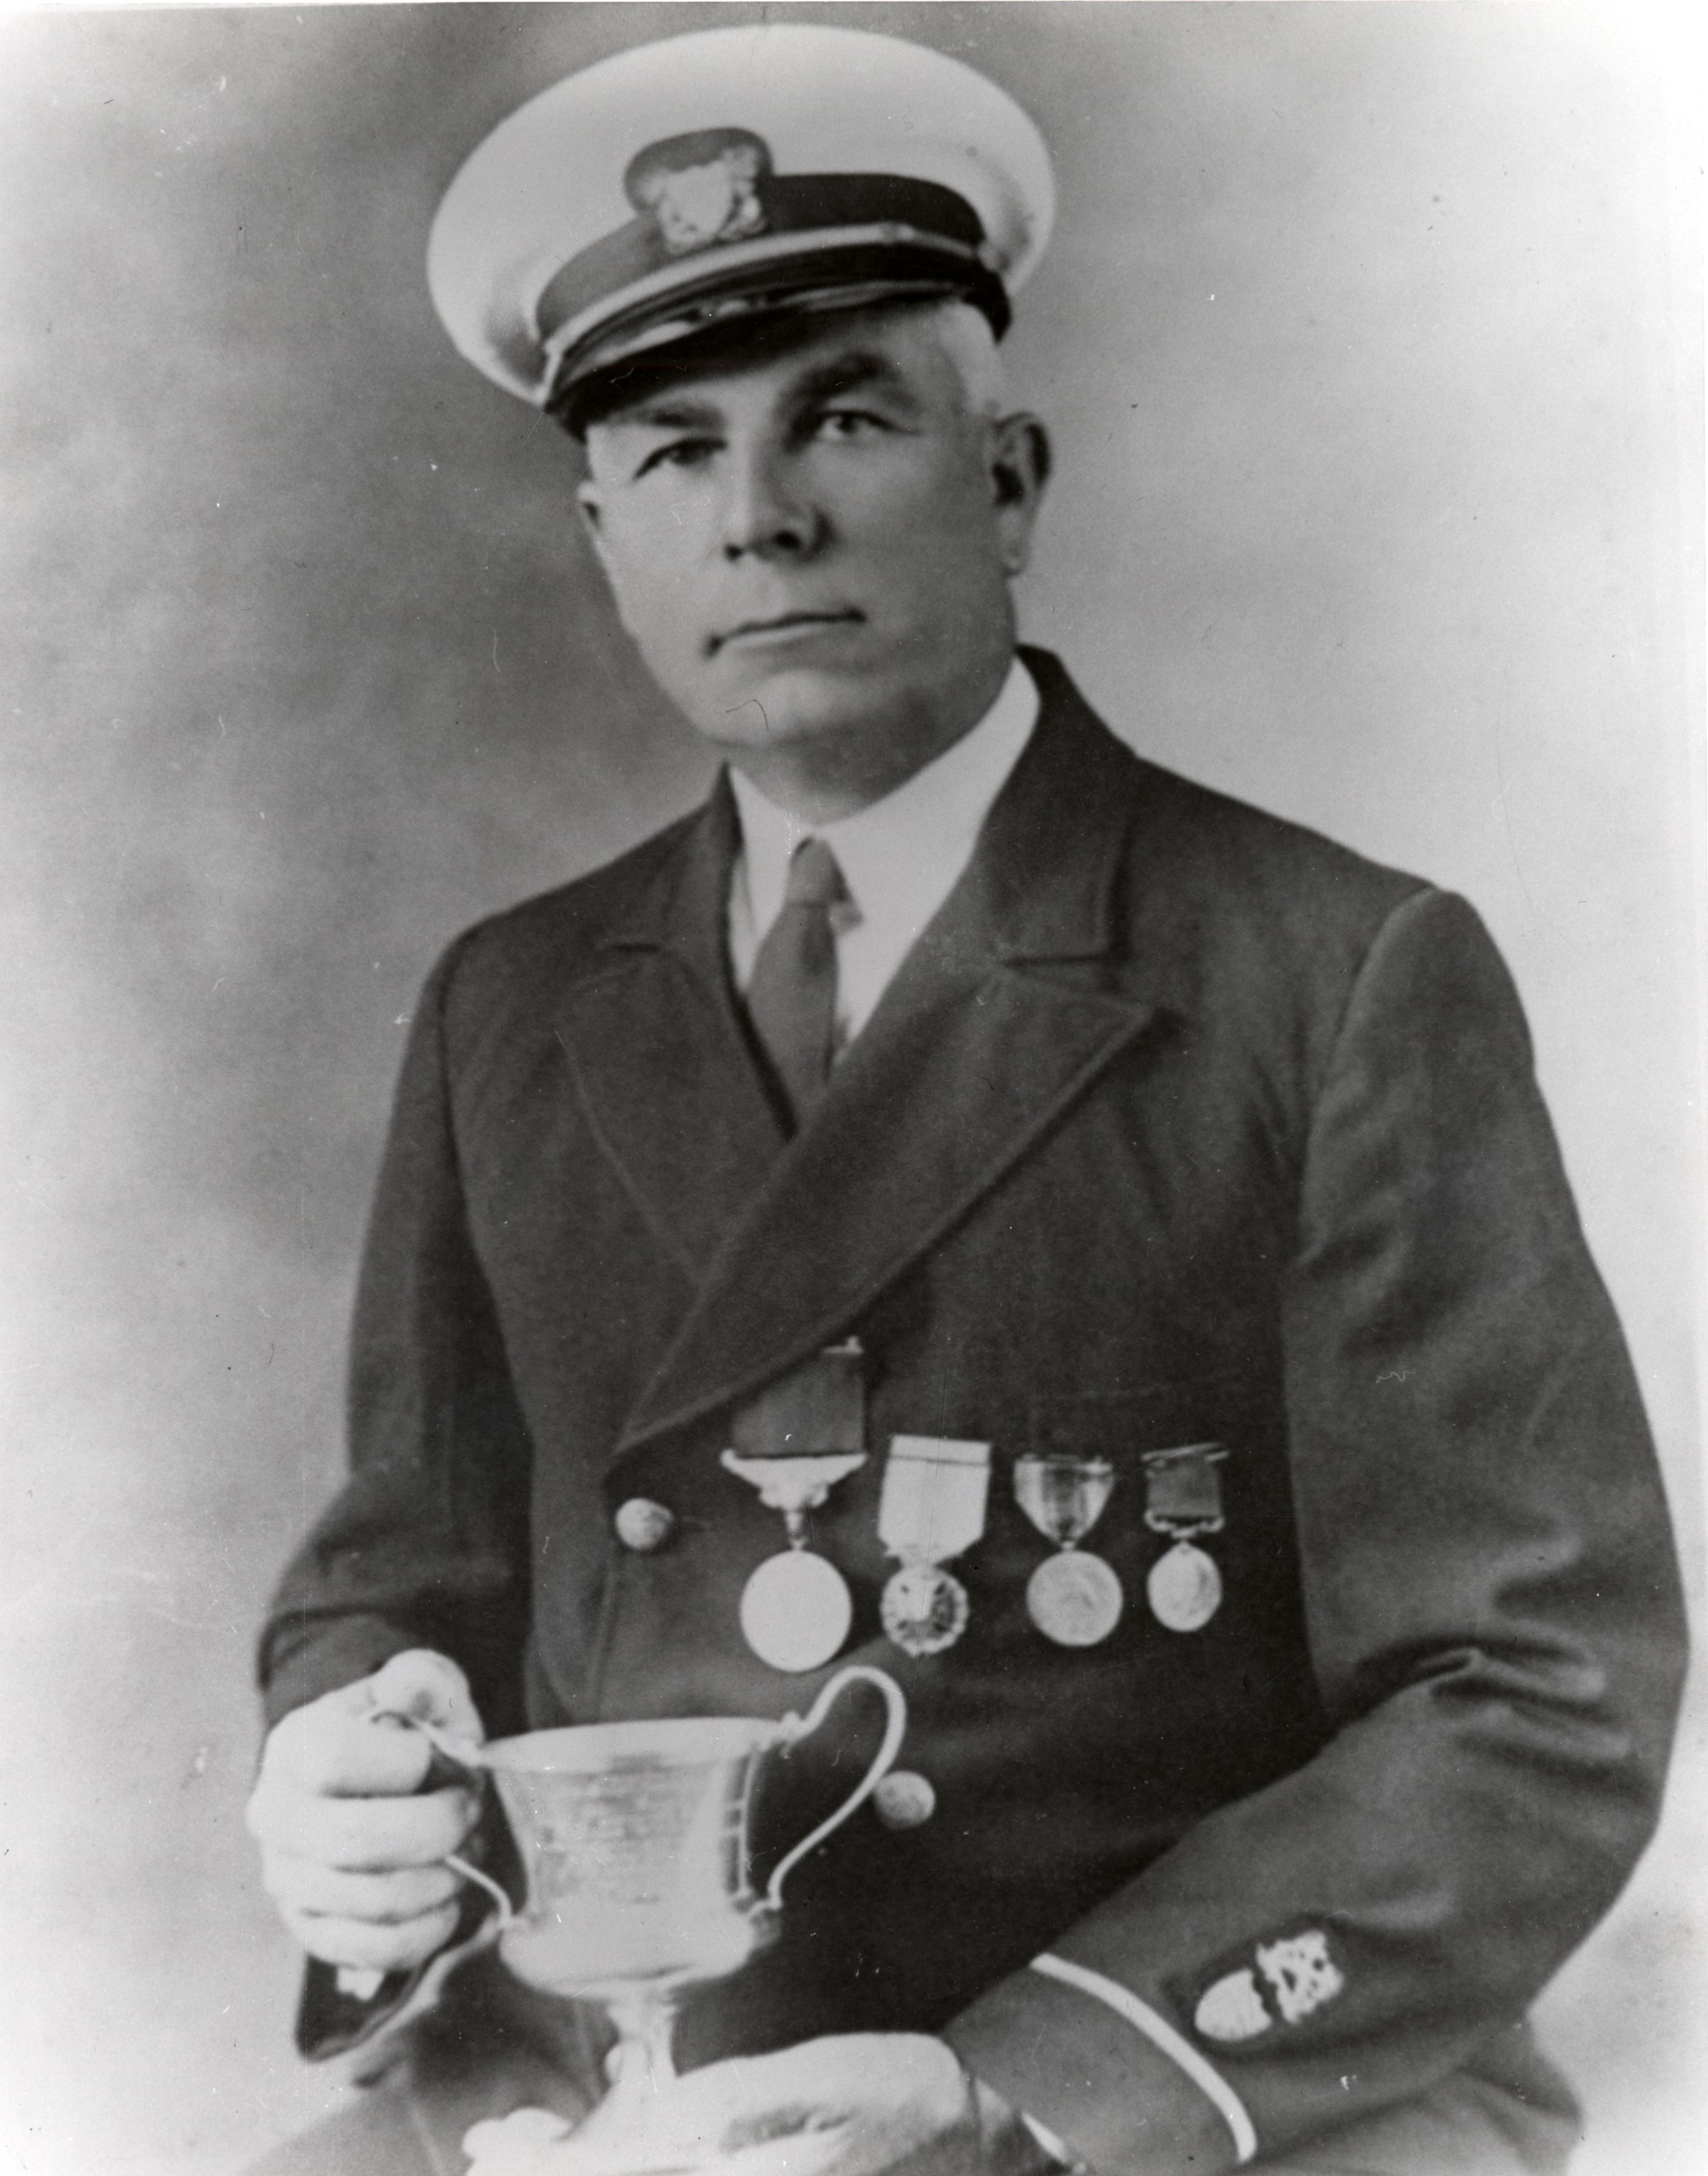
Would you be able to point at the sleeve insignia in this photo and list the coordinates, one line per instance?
(1281, 1980)
(1302, 1972)
(1233, 2010)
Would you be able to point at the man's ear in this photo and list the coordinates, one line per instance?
(1019, 464)
(592, 506)
(591, 502)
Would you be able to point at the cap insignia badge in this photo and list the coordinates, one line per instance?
(702, 188)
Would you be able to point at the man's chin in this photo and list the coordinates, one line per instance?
(793, 702)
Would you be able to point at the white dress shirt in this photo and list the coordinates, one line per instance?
(899, 859)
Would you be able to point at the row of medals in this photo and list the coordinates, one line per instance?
(796, 1610)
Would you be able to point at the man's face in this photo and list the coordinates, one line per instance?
(818, 544)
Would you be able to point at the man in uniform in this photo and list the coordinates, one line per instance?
(1148, 1201)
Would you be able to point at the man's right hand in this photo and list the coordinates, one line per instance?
(352, 1850)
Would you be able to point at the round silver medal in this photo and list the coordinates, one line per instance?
(1184, 1588)
(924, 1608)
(795, 1611)
(1074, 1599)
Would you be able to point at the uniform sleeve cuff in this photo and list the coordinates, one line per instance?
(1117, 2086)
(335, 2013)
(323, 1658)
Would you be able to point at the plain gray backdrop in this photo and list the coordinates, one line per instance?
(1370, 340)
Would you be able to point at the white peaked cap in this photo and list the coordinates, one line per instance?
(680, 185)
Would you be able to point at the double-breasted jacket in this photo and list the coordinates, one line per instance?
(1179, 1124)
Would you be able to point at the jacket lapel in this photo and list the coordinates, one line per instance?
(1002, 1015)
(659, 1060)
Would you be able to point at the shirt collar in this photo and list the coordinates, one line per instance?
(899, 857)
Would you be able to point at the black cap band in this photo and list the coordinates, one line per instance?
(792, 204)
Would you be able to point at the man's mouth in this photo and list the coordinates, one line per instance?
(781, 626)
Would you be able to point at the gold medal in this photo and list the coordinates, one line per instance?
(1184, 1588)
(1075, 1598)
(1183, 1500)
(795, 1611)
(924, 1608)
(795, 1607)
(800, 1435)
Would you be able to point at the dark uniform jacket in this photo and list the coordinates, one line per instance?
(1178, 1124)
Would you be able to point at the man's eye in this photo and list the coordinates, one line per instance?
(849, 423)
(678, 453)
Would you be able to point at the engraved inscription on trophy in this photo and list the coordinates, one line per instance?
(630, 1879)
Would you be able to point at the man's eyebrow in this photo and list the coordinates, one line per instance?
(846, 373)
(669, 412)
(824, 381)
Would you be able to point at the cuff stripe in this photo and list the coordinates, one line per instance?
(1048, 2138)
(1161, 2035)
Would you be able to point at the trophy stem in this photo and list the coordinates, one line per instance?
(640, 2064)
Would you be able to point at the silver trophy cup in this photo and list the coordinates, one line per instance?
(633, 1836)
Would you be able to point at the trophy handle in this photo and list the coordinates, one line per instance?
(460, 1751)
(506, 1915)
(794, 1729)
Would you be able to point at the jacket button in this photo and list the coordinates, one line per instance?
(904, 1799)
(644, 1526)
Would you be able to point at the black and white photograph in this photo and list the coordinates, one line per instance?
(853, 860)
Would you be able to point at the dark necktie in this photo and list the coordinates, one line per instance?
(792, 998)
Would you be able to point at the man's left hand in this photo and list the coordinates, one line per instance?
(858, 2104)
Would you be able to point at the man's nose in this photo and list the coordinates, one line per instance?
(766, 514)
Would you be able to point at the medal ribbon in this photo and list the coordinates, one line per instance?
(1062, 1497)
(1183, 1490)
(933, 1501)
